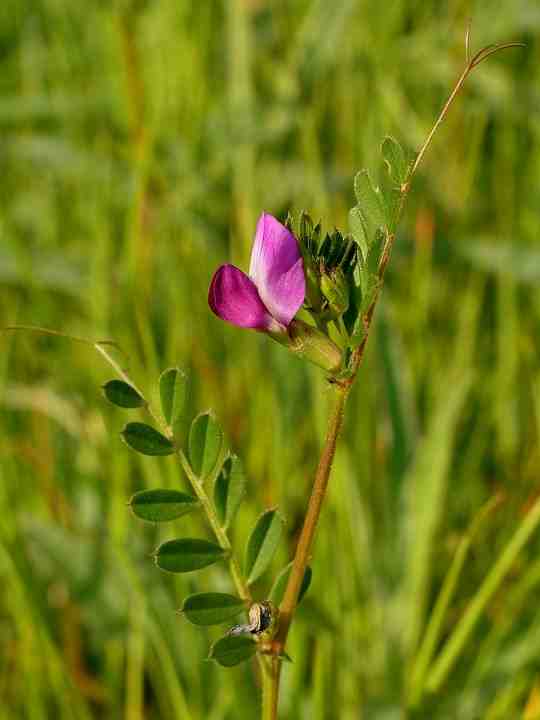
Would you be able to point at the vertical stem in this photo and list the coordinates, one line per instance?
(271, 673)
(318, 492)
(272, 665)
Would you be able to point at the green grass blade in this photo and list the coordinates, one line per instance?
(457, 641)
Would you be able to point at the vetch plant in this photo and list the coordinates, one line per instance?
(333, 280)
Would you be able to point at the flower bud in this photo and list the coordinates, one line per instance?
(336, 291)
(314, 297)
(308, 236)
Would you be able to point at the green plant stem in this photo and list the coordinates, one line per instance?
(207, 505)
(272, 675)
(270, 679)
(241, 585)
(221, 536)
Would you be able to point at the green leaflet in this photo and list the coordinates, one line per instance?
(229, 490)
(280, 583)
(162, 505)
(122, 394)
(369, 215)
(205, 443)
(146, 440)
(395, 160)
(187, 554)
(262, 544)
(212, 608)
(172, 392)
(232, 650)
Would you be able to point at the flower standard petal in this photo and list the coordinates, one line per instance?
(277, 269)
(233, 297)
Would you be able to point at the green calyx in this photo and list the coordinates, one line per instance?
(329, 264)
(308, 342)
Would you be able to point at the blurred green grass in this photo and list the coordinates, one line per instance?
(139, 141)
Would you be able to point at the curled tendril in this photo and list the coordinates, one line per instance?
(471, 64)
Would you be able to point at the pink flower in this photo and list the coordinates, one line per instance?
(269, 298)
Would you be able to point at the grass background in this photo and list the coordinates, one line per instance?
(139, 141)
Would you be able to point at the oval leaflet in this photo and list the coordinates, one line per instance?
(211, 608)
(232, 650)
(172, 392)
(122, 395)
(146, 440)
(262, 544)
(187, 554)
(205, 442)
(162, 505)
(229, 490)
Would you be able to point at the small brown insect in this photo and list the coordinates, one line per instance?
(262, 623)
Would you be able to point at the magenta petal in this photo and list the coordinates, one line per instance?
(277, 269)
(234, 298)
